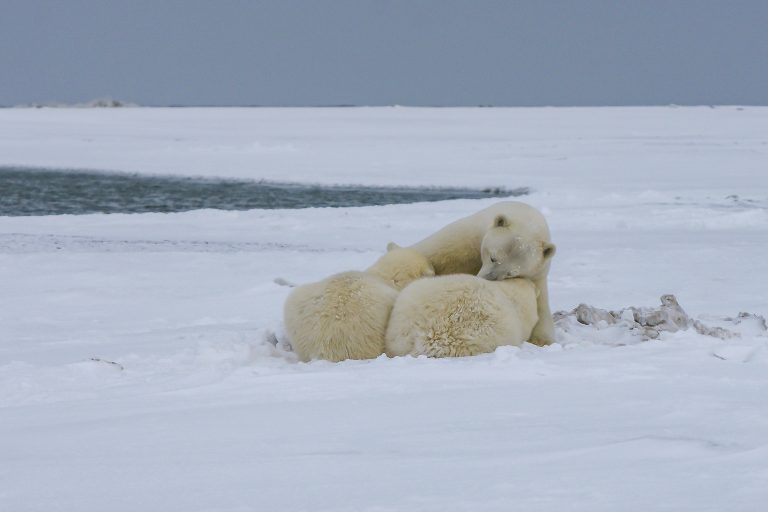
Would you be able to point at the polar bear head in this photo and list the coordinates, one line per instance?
(399, 266)
(508, 252)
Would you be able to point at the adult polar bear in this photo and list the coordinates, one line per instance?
(506, 233)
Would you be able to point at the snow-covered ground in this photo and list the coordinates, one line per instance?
(185, 407)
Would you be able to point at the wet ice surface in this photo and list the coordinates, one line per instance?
(200, 413)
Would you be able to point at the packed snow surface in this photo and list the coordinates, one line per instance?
(135, 375)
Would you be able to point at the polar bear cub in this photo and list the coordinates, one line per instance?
(345, 315)
(461, 315)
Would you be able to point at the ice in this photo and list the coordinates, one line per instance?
(137, 373)
(647, 322)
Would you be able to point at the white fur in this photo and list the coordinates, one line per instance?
(513, 231)
(345, 315)
(461, 315)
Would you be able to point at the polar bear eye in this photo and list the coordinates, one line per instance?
(494, 260)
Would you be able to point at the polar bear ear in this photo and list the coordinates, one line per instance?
(501, 221)
(548, 250)
(392, 245)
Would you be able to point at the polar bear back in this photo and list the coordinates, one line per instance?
(460, 315)
(341, 317)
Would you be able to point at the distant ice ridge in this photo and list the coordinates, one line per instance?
(105, 102)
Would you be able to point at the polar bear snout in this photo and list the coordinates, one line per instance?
(500, 274)
(490, 276)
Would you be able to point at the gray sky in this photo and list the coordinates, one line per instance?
(361, 52)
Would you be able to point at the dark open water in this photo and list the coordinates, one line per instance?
(48, 192)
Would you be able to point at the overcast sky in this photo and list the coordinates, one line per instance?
(362, 52)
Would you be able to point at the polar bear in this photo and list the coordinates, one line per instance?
(345, 315)
(516, 239)
(461, 315)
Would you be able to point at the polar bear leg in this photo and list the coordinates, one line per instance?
(544, 330)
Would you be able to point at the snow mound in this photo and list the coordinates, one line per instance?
(587, 324)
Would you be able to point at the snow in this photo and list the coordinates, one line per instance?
(199, 413)
(611, 148)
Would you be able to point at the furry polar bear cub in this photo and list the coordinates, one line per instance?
(508, 239)
(461, 315)
(345, 315)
